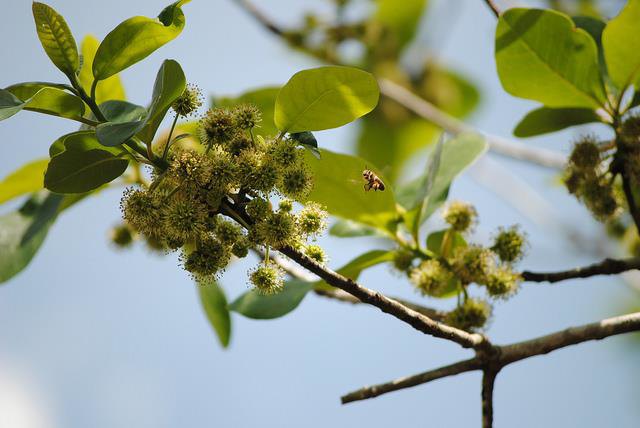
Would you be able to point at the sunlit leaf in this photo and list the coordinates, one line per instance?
(27, 179)
(47, 100)
(56, 38)
(107, 89)
(621, 42)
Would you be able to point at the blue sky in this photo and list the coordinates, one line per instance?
(94, 337)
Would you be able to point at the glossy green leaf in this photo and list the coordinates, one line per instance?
(545, 119)
(457, 154)
(621, 42)
(325, 98)
(402, 22)
(307, 140)
(542, 56)
(26, 90)
(53, 101)
(339, 186)
(84, 165)
(169, 85)
(108, 89)
(56, 38)
(214, 303)
(263, 98)
(355, 267)
(351, 229)
(135, 39)
(435, 242)
(263, 307)
(424, 190)
(27, 179)
(122, 111)
(23, 231)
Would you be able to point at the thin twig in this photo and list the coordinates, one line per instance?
(410, 381)
(631, 200)
(605, 267)
(501, 356)
(450, 124)
(261, 17)
(494, 8)
(415, 319)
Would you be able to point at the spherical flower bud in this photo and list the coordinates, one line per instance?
(574, 180)
(473, 264)
(460, 215)
(403, 259)
(285, 153)
(267, 278)
(218, 126)
(208, 259)
(600, 198)
(190, 167)
(316, 253)
(184, 219)
(585, 154)
(141, 211)
(503, 283)
(223, 169)
(472, 314)
(189, 102)
(277, 230)
(509, 244)
(247, 116)
(241, 247)
(227, 232)
(121, 235)
(431, 278)
(312, 220)
(285, 205)
(239, 143)
(266, 177)
(258, 209)
(296, 182)
(630, 130)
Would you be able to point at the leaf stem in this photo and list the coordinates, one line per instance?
(165, 152)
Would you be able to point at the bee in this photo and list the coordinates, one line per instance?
(372, 181)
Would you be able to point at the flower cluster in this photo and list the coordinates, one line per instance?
(214, 201)
(456, 264)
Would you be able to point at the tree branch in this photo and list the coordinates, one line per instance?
(415, 319)
(605, 267)
(631, 200)
(450, 124)
(261, 17)
(497, 357)
(488, 382)
(494, 8)
(410, 381)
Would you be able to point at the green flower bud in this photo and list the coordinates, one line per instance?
(509, 244)
(285, 205)
(473, 264)
(630, 130)
(471, 315)
(296, 182)
(227, 232)
(121, 235)
(247, 116)
(184, 219)
(267, 278)
(241, 247)
(218, 126)
(460, 215)
(403, 259)
(223, 169)
(277, 230)
(502, 283)
(190, 167)
(239, 143)
(316, 253)
(189, 102)
(312, 220)
(141, 211)
(600, 198)
(208, 259)
(258, 209)
(431, 278)
(285, 153)
(586, 154)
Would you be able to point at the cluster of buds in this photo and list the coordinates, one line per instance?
(590, 181)
(214, 201)
(458, 265)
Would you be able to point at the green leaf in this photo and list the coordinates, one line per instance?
(339, 186)
(423, 193)
(135, 39)
(108, 89)
(26, 90)
(621, 42)
(47, 100)
(122, 111)
(214, 303)
(56, 38)
(457, 154)
(435, 240)
(23, 231)
(307, 140)
(84, 165)
(542, 56)
(324, 98)
(27, 179)
(351, 229)
(264, 307)
(401, 21)
(355, 267)
(545, 119)
(169, 85)
(263, 98)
